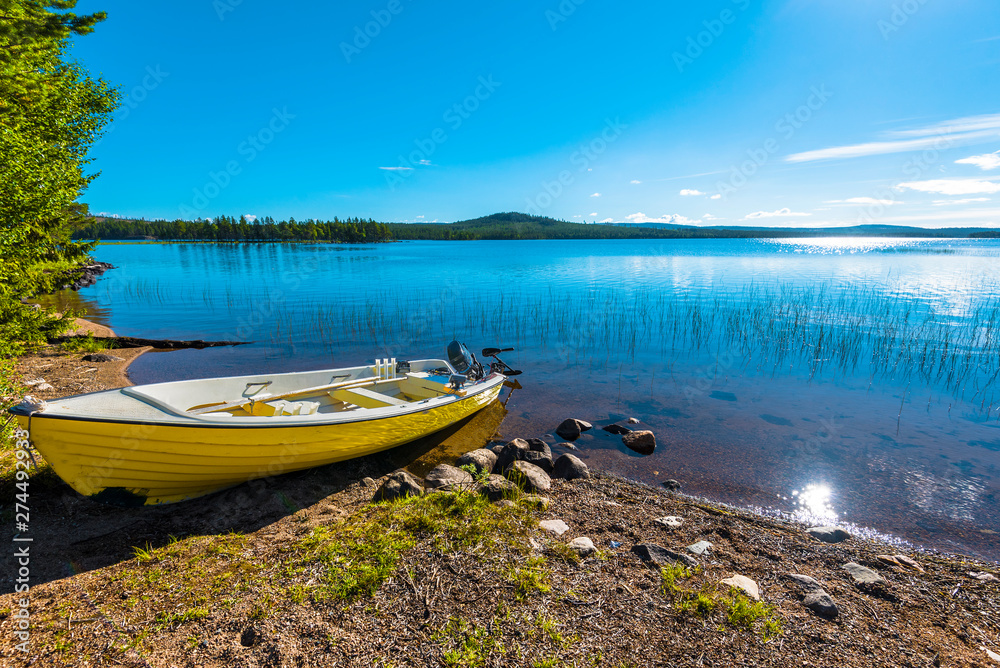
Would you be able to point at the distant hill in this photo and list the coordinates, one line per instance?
(513, 225)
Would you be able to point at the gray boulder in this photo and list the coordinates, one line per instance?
(446, 475)
(514, 451)
(582, 546)
(863, 575)
(542, 460)
(815, 597)
(398, 485)
(482, 459)
(529, 477)
(102, 357)
(570, 467)
(672, 485)
(617, 429)
(571, 428)
(643, 442)
(497, 488)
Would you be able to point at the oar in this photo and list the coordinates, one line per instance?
(309, 390)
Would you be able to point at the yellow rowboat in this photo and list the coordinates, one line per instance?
(167, 442)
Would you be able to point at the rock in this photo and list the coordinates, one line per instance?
(642, 442)
(540, 459)
(816, 598)
(570, 467)
(444, 475)
(571, 428)
(538, 445)
(909, 563)
(699, 548)
(535, 501)
(990, 653)
(672, 485)
(506, 503)
(529, 477)
(102, 357)
(512, 452)
(496, 488)
(983, 577)
(44, 386)
(558, 527)
(670, 522)
(745, 584)
(482, 459)
(862, 574)
(632, 420)
(368, 482)
(399, 485)
(583, 546)
(828, 534)
(496, 449)
(660, 555)
(617, 429)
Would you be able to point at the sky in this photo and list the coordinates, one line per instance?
(800, 113)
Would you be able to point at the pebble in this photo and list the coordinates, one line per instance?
(990, 653)
(368, 482)
(742, 582)
(816, 598)
(672, 485)
(102, 357)
(660, 555)
(44, 386)
(583, 546)
(699, 548)
(828, 534)
(632, 420)
(558, 527)
(985, 577)
(862, 574)
(670, 522)
(617, 429)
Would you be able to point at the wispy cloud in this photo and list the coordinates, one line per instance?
(635, 181)
(608, 220)
(983, 162)
(672, 219)
(865, 201)
(687, 192)
(950, 202)
(953, 186)
(596, 195)
(717, 196)
(780, 213)
(960, 131)
(594, 214)
(397, 169)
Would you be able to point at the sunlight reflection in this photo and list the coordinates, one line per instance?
(814, 503)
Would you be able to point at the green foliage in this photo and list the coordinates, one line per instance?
(51, 112)
(531, 578)
(228, 228)
(742, 613)
(86, 344)
(469, 646)
(670, 575)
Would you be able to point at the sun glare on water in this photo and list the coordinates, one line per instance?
(814, 503)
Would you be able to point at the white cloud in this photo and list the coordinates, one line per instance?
(983, 162)
(596, 195)
(691, 193)
(397, 169)
(717, 196)
(780, 213)
(672, 219)
(709, 216)
(864, 200)
(593, 214)
(423, 162)
(969, 130)
(608, 220)
(953, 186)
(250, 217)
(635, 181)
(969, 200)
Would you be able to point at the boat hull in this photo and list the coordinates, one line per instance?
(135, 463)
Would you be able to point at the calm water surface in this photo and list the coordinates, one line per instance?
(838, 380)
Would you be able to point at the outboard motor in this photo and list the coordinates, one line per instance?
(465, 363)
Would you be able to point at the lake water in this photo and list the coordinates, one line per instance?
(837, 380)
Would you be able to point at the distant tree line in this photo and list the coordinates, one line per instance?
(229, 228)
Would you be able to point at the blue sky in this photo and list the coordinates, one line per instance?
(733, 112)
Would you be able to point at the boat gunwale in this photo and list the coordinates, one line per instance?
(294, 421)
